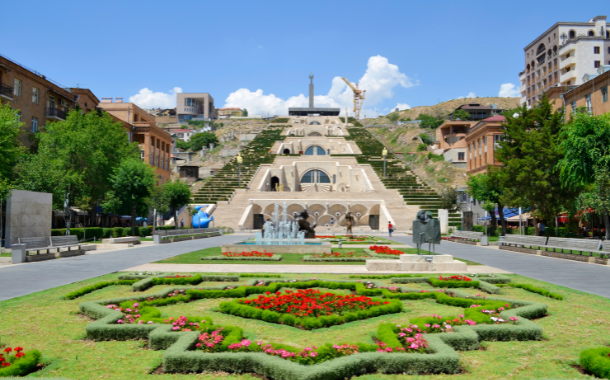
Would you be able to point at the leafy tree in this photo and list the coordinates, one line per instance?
(488, 189)
(597, 196)
(393, 117)
(10, 147)
(82, 152)
(428, 121)
(462, 115)
(422, 147)
(530, 154)
(586, 160)
(244, 112)
(181, 144)
(178, 194)
(158, 201)
(449, 199)
(132, 184)
(199, 140)
(426, 139)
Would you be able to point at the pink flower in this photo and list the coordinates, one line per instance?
(119, 321)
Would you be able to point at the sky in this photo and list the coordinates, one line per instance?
(258, 54)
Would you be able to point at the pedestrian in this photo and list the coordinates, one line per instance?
(182, 223)
(349, 220)
(390, 228)
(541, 228)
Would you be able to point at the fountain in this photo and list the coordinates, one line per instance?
(280, 236)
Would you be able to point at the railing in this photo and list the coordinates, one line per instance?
(6, 90)
(56, 112)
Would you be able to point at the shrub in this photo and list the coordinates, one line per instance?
(21, 366)
(533, 289)
(422, 147)
(87, 233)
(596, 361)
(99, 285)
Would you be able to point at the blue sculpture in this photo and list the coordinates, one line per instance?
(202, 219)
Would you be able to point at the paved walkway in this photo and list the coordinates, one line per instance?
(262, 268)
(590, 278)
(21, 279)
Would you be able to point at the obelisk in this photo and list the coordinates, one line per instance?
(311, 91)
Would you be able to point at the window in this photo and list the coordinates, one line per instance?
(34, 124)
(573, 105)
(604, 94)
(461, 156)
(315, 176)
(596, 64)
(595, 49)
(17, 87)
(314, 148)
(588, 100)
(35, 95)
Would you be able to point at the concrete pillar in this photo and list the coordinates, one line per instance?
(443, 218)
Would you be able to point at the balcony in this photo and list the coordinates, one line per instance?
(567, 76)
(567, 62)
(56, 113)
(6, 92)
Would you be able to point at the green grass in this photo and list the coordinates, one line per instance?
(41, 321)
(5, 254)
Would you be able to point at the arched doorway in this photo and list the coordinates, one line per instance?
(315, 134)
(315, 176)
(315, 123)
(315, 149)
(275, 182)
(286, 151)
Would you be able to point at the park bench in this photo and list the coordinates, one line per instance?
(469, 237)
(36, 244)
(50, 246)
(173, 236)
(581, 245)
(68, 242)
(122, 240)
(523, 243)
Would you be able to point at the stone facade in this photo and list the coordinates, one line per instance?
(28, 214)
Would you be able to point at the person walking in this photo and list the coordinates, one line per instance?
(182, 223)
(349, 221)
(390, 228)
(541, 228)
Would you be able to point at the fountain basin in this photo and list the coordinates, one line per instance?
(311, 246)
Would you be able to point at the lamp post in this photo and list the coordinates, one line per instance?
(239, 161)
(384, 153)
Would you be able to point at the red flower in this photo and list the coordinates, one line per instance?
(19, 355)
(8, 350)
(18, 349)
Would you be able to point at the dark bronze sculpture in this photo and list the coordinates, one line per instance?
(305, 226)
(426, 229)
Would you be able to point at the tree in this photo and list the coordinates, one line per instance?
(422, 147)
(158, 201)
(199, 140)
(597, 197)
(394, 117)
(586, 160)
(244, 112)
(426, 139)
(82, 151)
(132, 184)
(488, 189)
(178, 194)
(181, 144)
(449, 199)
(530, 153)
(461, 114)
(427, 121)
(10, 147)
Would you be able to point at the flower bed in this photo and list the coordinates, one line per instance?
(248, 254)
(16, 362)
(339, 255)
(454, 278)
(455, 282)
(385, 250)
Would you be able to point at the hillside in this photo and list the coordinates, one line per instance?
(445, 108)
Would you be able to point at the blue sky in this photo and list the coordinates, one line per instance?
(403, 52)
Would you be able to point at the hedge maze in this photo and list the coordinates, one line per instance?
(237, 354)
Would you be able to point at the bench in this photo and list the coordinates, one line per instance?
(469, 237)
(68, 242)
(518, 243)
(173, 236)
(122, 240)
(582, 245)
(36, 244)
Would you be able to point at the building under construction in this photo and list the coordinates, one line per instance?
(311, 110)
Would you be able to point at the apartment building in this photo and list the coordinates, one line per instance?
(482, 143)
(562, 55)
(195, 106)
(451, 143)
(38, 99)
(592, 94)
(479, 111)
(155, 144)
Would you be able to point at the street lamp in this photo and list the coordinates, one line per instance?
(239, 161)
(384, 153)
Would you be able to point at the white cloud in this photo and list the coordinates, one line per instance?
(508, 90)
(148, 99)
(470, 95)
(402, 106)
(379, 80)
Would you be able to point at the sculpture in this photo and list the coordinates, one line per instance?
(201, 219)
(426, 230)
(349, 222)
(305, 226)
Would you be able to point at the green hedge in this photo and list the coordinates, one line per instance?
(533, 289)
(102, 233)
(22, 366)
(263, 258)
(596, 361)
(149, 282)
(452, 284)
(99, 285)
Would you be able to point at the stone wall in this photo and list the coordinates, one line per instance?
(28, 214)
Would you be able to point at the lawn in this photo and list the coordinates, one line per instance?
(287, 258)
(42, 321)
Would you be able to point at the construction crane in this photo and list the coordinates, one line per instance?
(358, 97)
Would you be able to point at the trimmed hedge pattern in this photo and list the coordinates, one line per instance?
(533, 289)
(99, 285)
(596, 361)
(262, 258)
(440, 358)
